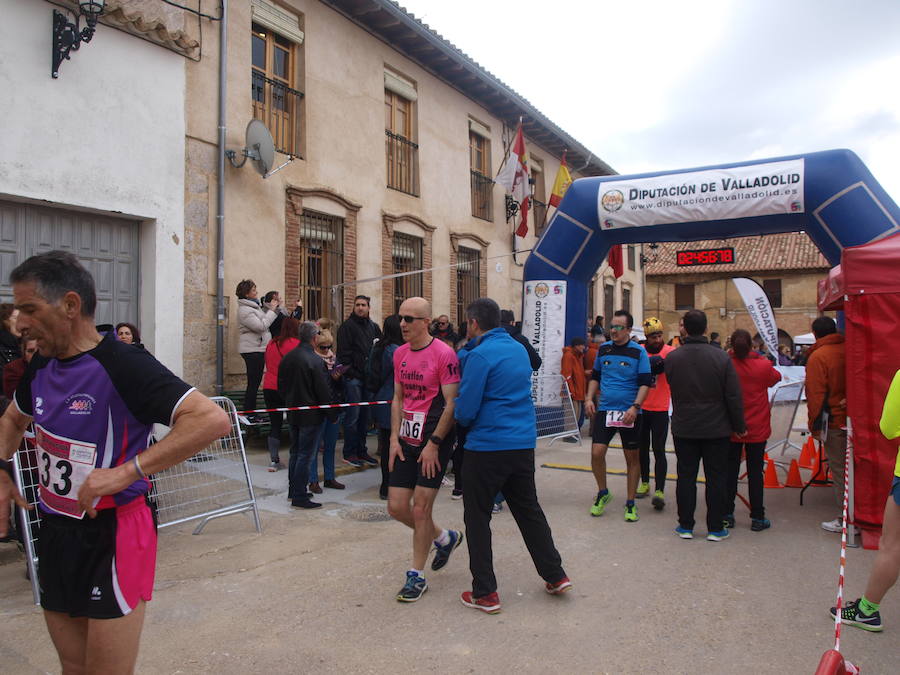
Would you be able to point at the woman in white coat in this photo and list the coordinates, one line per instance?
(253, 335)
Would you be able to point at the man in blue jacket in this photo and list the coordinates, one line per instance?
(494, 401)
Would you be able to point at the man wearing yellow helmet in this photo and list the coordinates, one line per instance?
(654, 418)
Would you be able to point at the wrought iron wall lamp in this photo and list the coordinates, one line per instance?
(68, 36)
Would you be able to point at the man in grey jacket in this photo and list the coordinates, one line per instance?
(706, 410)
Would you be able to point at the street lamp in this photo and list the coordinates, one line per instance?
(68, 36)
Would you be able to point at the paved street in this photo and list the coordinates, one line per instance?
(315, 592)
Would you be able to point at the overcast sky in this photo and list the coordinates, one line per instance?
(652, 85)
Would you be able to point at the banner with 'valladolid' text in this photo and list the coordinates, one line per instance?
(544, 325)
(714, 194)
(757, 303)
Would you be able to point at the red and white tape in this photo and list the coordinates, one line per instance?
(313, 407)
(849, 667)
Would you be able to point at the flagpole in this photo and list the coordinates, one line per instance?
(556, 208)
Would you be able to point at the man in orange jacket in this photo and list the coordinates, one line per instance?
(826, 392)
(572, 369)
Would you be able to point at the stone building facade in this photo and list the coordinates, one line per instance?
(392, 138)
(787, 265)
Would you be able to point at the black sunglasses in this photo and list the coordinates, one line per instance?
(323, 346)
(406, 318)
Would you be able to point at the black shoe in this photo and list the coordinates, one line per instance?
(307, 504)
(728, 521)
(442, 553)
(382, 493)
(352, 461)
(852, 615)
(368, 459)
(414, 588)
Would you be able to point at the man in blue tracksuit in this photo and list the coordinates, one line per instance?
(494, 401)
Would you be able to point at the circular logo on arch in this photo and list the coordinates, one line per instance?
(612, 200)
(541, 290)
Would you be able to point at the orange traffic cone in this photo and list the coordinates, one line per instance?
(808, 454)
(794, 480)
(771, 477)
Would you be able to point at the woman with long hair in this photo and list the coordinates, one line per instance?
(756, 375)
(276, 349)
(392, 337)
(128, 333)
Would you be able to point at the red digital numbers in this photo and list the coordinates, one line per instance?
(706, 256)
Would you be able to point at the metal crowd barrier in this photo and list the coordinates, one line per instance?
(783, 409)
(213, 483)
(553, 408)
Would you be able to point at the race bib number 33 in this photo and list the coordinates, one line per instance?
(63, 466)
(412, 427)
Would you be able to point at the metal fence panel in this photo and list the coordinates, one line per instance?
(213, 483)
(553, 408)
(28, 523)
(783, 409)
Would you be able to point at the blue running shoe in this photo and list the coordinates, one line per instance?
(684, 533)
(442, 553)
(413, 589)
(718, 536)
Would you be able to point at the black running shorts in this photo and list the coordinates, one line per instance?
(100, 568)
(604, 434)
(408, 472)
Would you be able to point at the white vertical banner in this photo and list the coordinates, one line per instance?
(544, 325)
(757, 303)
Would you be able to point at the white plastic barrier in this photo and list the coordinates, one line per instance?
(553, 408)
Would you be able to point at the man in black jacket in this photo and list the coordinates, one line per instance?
(302, 381)
(706, 409)
(507, 322)
(354, 341)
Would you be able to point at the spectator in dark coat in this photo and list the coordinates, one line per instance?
(706, 410)
(303, 381)
(392, 337)
(507, 322)
(355, 338)
(442, 329)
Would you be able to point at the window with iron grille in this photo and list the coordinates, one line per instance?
(631, 261)
(321, 264)
(608, 302)
(684, 296)
(275, 102)
(401, 153)
(468, 280)
(480, 180)
(407, 255)
(626, 299)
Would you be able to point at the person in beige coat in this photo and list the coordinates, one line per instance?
(253, 335)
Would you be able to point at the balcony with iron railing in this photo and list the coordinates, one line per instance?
(482, 195)
(402, 163)
(278, 107)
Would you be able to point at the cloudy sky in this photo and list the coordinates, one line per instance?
(651, 85)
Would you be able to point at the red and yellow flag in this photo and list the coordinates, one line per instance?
(561, 184)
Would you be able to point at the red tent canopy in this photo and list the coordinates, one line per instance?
(866, 286)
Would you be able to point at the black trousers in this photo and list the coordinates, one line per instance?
(713, 452)
(512, 473)
(654, 427)
(256, 364)
(755, 453)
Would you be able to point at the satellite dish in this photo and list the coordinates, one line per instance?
(258, 147)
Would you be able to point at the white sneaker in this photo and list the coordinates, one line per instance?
(836, 526)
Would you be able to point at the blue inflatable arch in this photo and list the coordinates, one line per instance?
(830, 195)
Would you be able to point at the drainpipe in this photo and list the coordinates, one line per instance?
(220, 206)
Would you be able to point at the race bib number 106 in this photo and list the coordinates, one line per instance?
(412, 427)
(63, 466)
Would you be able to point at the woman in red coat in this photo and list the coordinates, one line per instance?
(756, 375)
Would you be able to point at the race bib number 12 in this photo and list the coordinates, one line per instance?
(412, 427)
(63, 466)
(614, 418)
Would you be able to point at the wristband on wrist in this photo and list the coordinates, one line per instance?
(6, 466)
(137, 467)
(434, 438)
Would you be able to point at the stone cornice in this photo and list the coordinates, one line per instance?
(415, 220)
(294, 193)
(456, 236)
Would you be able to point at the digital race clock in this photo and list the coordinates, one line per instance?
(705, 256)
